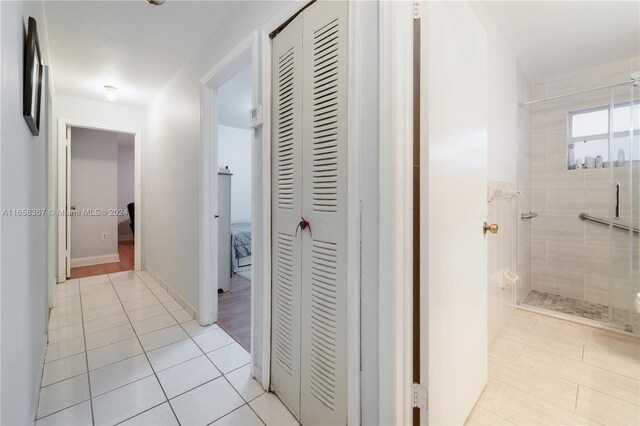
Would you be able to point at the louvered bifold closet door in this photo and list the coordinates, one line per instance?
(286, 202)
(324, 205)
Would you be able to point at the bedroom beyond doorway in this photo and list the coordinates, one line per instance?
(234, 197)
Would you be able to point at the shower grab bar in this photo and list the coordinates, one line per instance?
(585, 216)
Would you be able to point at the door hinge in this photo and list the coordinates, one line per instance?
(416, 10)
(419, 396)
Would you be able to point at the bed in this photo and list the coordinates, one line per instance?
(240, 245)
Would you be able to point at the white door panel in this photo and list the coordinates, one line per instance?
(453, 197)
(309, 180)
(324, 205)
(286, 202)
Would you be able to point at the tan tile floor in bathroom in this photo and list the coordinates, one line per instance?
(548, 371)
(123, 351)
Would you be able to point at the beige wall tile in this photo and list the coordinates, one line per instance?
(594, 201)
(539, 254)
(557, 229)
(598, 234)
(538, 147)
(597, 177)
(564, 283)
(597, 289)
(523, 286)
(539, 200)
(554, 174)
(578, 258)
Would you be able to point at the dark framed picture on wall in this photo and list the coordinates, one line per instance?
(32, 79)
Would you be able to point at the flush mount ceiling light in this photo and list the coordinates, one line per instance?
(156, 2)
(110, 92)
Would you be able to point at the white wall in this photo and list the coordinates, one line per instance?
(171, 158)
(23, 184)
(234, 151)
(126, 193)
(107, 114)
(94, 185)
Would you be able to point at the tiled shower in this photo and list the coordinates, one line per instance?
(579, 155)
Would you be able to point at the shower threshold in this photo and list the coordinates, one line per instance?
(578, 309)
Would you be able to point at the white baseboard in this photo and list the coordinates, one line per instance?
(95, 260)
(178, 298)
(125, 237)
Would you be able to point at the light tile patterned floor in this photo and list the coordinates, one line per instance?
(547, 371)
(122, 351)
(580, 308)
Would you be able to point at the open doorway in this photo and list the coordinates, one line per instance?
(101, 192)
(234, 207)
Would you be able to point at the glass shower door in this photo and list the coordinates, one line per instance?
(625, 214)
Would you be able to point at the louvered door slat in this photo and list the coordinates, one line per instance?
(286, 207)
(324, 256)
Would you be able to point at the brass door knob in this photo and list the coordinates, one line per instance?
(493, 228)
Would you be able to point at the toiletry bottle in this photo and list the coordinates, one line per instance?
(571, 163)
(621, 159)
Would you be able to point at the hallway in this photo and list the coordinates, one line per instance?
(122, 350)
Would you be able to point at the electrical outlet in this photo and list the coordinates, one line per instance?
(105, 236)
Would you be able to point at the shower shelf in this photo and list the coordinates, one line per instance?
(508, 278)
(499, 194)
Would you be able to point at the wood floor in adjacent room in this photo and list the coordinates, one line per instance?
(547, 371)
(234, 311)
(125, 250)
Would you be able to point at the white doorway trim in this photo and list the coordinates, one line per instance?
(395, 226)
(353, 201)
(62, 188)
(244, 54)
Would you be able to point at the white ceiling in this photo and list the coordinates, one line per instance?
(234, 100)
(556, 37)
(128, 44)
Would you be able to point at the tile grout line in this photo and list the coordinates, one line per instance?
(222, 374)
(144, 351)
(142, 412)
(529, 393)
(189, 337)
(86, 356)
(479, 404)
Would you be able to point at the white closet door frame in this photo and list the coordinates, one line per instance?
(353, 203)
(396, 212)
